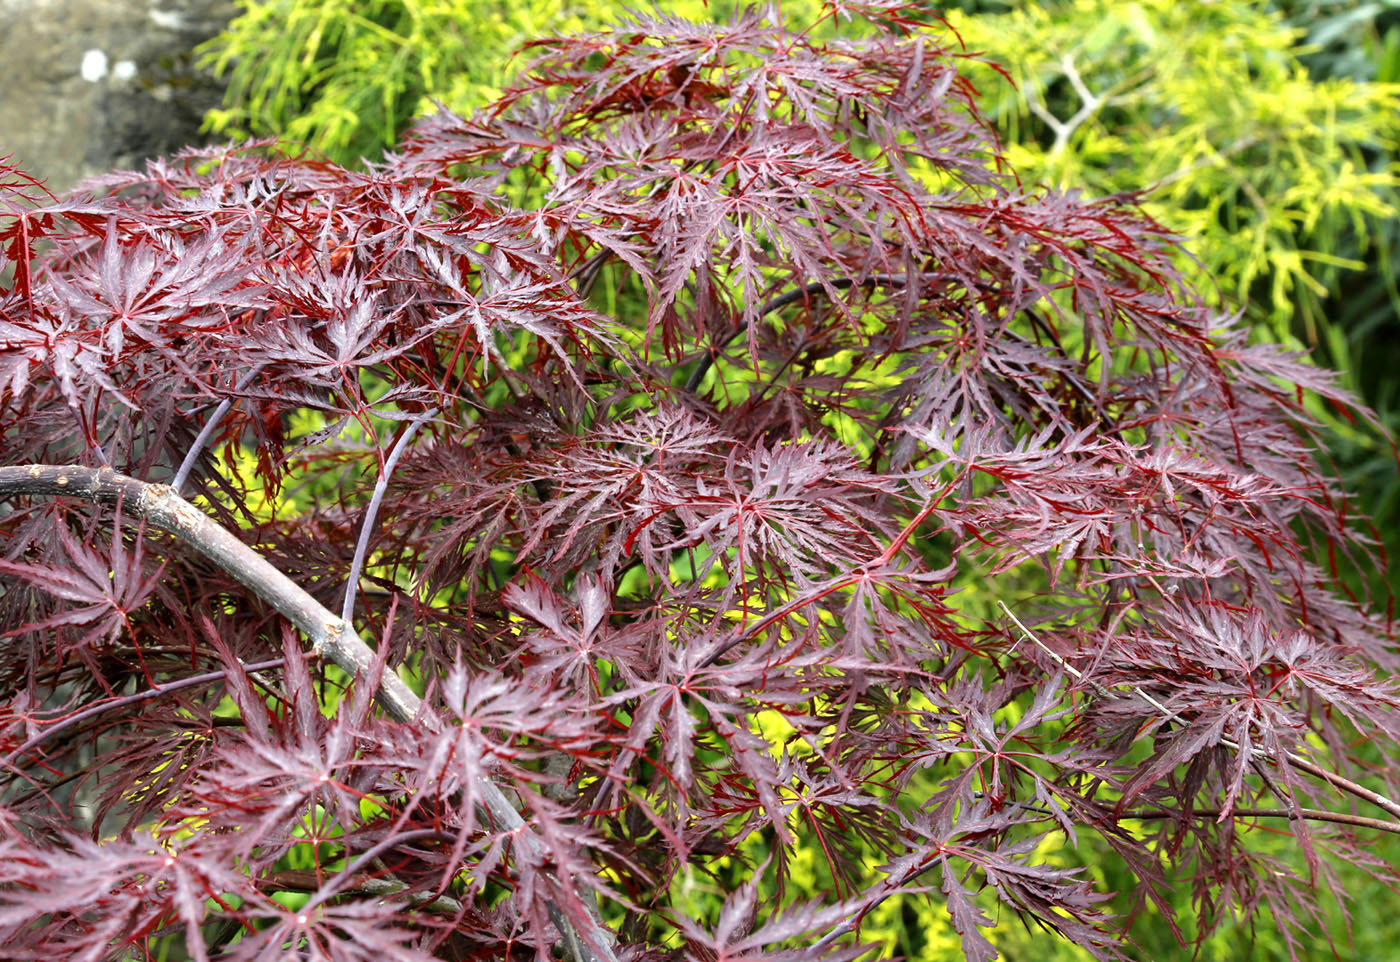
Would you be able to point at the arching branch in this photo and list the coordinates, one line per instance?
(331, 636)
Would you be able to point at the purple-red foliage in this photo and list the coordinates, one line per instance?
(745, 384)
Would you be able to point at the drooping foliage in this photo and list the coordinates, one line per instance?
(1252, 129)
(663, 491)
(1264, 132)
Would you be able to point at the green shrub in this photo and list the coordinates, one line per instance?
(345, 77)
(1278, 179)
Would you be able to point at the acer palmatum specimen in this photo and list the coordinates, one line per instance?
(679, 427)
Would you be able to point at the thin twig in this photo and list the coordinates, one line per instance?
(68, 721)
(1217, 157)
(1308, 814)
(352, 582)
(589, 271)
(201, 439)
(1089, 103)
(347, 874)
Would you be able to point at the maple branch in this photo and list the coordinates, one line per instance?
(331, 637)
(162, 508)
(372, 511)
(68, 721)
(1307, 814)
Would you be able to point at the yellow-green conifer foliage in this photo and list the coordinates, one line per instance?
(345, 77)
(1277, 179)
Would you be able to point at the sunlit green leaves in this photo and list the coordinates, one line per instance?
(1208, 109)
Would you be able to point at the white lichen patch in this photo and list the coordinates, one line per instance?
(94, 65)
(169, 19)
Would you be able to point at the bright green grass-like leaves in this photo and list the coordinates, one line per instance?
(346, 77)
(1278, 180)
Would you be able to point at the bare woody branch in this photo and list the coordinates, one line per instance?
(331, 637)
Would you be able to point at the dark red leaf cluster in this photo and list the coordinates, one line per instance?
(679, 423)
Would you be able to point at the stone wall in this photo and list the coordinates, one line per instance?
(88, 85)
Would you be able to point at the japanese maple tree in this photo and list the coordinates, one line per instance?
(709, 453)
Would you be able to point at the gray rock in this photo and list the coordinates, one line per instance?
(88, 85)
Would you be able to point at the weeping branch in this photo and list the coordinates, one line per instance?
(331, 637)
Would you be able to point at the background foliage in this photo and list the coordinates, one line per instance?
(346, 76)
